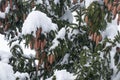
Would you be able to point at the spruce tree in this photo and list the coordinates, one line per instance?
(88, 53)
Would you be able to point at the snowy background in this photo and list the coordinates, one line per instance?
(6, 70)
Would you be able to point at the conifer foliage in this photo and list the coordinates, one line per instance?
(77, 47)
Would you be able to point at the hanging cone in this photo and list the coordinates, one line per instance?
(6, 27)
(51, 58)
(97, 40)
(74, 1)
(86, 19)
(114, 11)
(118, 8)
(37, 44)
(11, 5)
(42, 58)
(109, 6)
(24, 16)
(32, 42)
(100, 37)
(38, 32)
(43, 43)
(0, 24)
(6, 3)
(3, 7)
(117, 49)
(94, 37)
(106, 2)
(118, 20)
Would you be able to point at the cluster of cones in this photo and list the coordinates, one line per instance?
(5, 24)
(3, 6)
(38, 43)
(114, 7)
(94, 36)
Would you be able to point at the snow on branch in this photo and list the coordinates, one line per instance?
(6, 72)
(67, 16)
(3, 14)
(62, 75)
(37, 19)
(61, 35)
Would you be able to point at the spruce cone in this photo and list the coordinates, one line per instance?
(109, 6)
(106, 2)
(114, 11)
(51, 58)
(118, 20)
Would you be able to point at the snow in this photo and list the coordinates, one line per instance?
(65, 59)
(74, 19)
(37, 19)
(7, 8)
(67, 16)
(4, 50)
(29, 53)
(22, 76)
(2, 15)
(56, 1)
(72, 32)
(117, 77)
(62, 75)
(5, 56)
(47, 2)
(6, 72)
(111, 32)
(111, 29)
(88, 2)
(4, 44)
(60, 35)
(39, 2)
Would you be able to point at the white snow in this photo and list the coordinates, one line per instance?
(88, 2)
(4, 44)
(111, 29)
(65, 59)
(22, 76)
(111, 32)
(60, 35)
(56, 1)
(74, 19)
(37, 19)
(4, 56)
(39, 2)
(63, 75)
(7, 8)
(72, 32)
(29, 53)
(2, 15)
(6, 72)
(67, 16)
(117, 77)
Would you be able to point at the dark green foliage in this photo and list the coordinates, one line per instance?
(86, 59)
